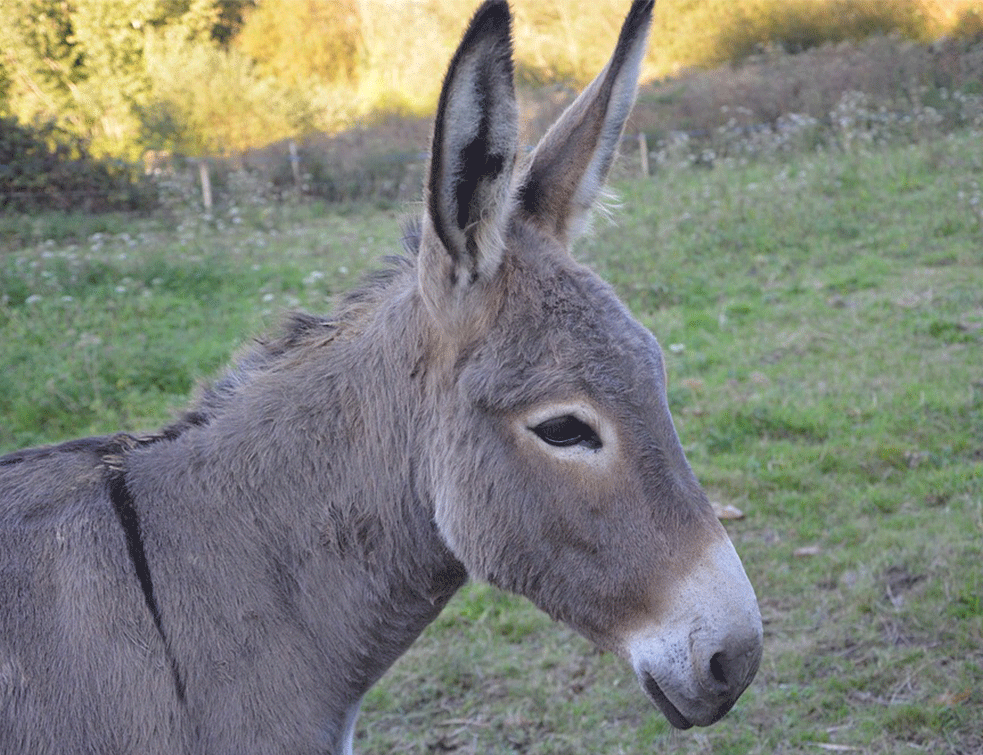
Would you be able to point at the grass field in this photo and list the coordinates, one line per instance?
(822, 317)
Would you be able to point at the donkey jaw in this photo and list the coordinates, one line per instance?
(696, 662)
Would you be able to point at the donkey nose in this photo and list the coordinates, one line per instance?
(731, 670)
(696, 659)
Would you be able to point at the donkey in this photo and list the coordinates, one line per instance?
(485, 407)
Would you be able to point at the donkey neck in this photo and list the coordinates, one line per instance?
(332, 439)
(302, 479)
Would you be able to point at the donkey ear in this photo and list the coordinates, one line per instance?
(469, 187)
(567, 171)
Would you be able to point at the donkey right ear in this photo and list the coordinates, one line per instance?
(469, 185)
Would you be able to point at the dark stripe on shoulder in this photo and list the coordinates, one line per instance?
(122, 501)
(109, 453)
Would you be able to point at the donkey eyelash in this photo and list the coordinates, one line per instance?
(566, 431)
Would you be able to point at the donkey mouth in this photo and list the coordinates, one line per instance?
(658, 697)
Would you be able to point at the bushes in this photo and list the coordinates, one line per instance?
(215, 77)
(210, 101)
(46, 168)
(209, 85)
(703, 33)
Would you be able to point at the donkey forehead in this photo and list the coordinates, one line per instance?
(563, 333)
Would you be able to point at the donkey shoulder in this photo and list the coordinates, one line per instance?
(47, 482)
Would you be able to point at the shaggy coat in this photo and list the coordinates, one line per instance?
(483, 407)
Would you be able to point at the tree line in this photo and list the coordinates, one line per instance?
(216, 77)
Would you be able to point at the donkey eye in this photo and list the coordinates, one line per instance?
(567, 431)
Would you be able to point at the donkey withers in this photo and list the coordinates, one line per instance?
(484, 407)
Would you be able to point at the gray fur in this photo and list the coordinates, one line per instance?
(235, 582)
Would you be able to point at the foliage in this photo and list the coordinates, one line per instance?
(82, 64)
(557, 42)
(304, 43)
(42, 66)
(210, 101)
(847, 97)
(217, 76)
(47, 169)
(712, 32)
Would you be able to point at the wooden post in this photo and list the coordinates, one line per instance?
(295, 163)
(643, 153)
(206, 185)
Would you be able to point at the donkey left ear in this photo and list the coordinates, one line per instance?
(567, 171)
(469, 187)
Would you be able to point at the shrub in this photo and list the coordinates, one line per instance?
(46, 168)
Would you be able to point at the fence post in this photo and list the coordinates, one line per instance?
(206, 184)
(295, 163)
(643, 153)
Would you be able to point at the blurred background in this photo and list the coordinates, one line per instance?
(331, 98)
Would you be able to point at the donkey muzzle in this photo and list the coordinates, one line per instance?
(697, 660)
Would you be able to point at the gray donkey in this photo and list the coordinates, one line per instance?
(484, 407)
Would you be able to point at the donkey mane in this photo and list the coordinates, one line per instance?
(298, 330)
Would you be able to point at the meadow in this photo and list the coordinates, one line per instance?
(821, 311)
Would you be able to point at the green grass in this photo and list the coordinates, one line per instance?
(822, 319)
(112, 330)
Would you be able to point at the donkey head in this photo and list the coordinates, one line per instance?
(555, 468)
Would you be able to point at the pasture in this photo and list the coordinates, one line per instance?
(822, 319)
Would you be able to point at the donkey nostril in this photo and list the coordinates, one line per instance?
(717, 667)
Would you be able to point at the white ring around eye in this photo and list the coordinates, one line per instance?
(586, 413)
